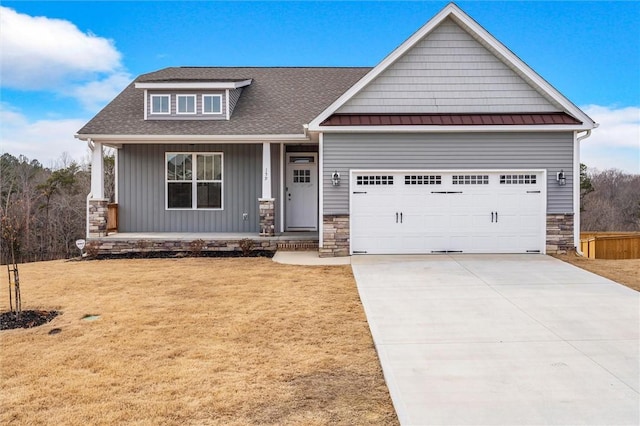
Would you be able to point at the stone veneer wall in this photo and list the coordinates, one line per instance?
(267, 217)
(97, 218)
(335, 236)
(560, 233)
(113, 246)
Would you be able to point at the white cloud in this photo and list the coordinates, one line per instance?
(95, 94)
(40, 52)
(42, 140)
(616, 142)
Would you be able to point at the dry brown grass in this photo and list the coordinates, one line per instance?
(623, 271)
(192, 341)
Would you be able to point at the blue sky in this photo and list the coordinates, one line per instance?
(63, 61)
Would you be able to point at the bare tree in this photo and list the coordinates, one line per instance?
(613, 203)
(46, 206)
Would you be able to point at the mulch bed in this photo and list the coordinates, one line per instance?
(28, 319)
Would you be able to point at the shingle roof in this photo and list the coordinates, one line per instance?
(509, 119)
(278, 101)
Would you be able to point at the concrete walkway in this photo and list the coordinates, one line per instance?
(502, 340)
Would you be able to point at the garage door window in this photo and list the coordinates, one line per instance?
(422, 180)
(517, 179)
(470, 179)
(374, 180)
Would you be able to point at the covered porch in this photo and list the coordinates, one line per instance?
(255, 212)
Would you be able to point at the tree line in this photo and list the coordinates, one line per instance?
(43, 210)
(610, 201)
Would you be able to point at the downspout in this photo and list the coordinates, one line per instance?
(576, 190)
(91, 146)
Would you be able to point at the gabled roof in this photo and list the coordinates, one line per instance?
(453, 12)
(279, 101)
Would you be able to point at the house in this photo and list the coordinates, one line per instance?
(450, 144)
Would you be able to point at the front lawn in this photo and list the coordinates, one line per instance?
(191, 341)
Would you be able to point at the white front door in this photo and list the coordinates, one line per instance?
(301, 192)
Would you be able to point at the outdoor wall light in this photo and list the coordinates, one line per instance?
(335, 179)
(561, 178)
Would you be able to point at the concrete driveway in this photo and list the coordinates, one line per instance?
(502, 339)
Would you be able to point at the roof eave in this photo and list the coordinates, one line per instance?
(450, 129)
(196, 139)
(193, 85)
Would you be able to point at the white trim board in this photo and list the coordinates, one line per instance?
(194, 85)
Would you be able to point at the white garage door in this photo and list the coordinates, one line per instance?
(433, 212)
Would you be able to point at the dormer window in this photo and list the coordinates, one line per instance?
(191, 99)
(160, 104)
(212, 104)
(186, 104)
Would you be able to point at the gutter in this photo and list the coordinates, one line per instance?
(194, 138)
(576, 189)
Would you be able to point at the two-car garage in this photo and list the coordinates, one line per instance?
(402, 212)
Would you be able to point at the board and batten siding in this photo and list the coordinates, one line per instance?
(448, 151)
(448, 71)
(141, 189)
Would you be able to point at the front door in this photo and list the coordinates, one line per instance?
(301, 192)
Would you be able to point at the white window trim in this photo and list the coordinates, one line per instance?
(195, 104)
(228, 106)
(158, 95)
(212, 95)
(194, 181)
(146, 104)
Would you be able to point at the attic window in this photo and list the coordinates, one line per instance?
(160, 104)
(186, 104)
(212, 104)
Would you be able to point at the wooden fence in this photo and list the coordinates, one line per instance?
(610, 245)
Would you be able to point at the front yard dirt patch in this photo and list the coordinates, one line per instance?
(623, 271)
(193, 341)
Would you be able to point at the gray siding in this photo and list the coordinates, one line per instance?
(173, 108)
(141, 189)
(234, 95)
(550, 151)
(448, 71)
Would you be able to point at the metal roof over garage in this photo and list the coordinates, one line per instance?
(559, 118)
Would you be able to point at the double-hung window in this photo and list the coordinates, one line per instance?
(186, 104)
(212, 104)
(160, 104)
(194, 180)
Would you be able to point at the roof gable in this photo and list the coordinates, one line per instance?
(448, 71)
(452, 65)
